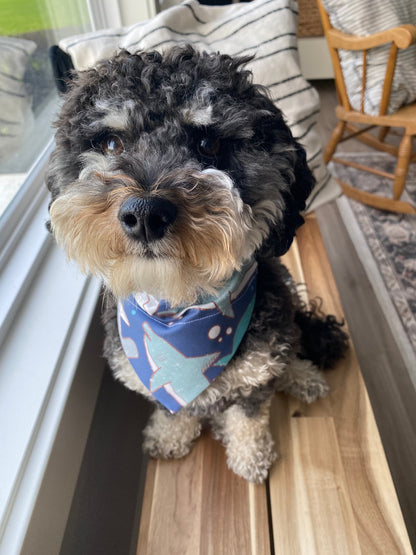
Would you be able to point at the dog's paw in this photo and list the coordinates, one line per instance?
(170, 436)
(304, 381)
(164, 447)
(310, 389)
(248, 441)
(252, 461)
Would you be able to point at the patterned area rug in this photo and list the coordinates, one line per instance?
(386, 245)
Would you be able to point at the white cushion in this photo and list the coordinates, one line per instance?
(361, 17)
(16, 117)
(265, 28)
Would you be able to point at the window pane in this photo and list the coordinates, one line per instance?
(28, 97)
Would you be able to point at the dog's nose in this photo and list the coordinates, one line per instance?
(146, 219)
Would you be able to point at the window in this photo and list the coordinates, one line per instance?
(46, 305)
(38, 338)
(28, 97)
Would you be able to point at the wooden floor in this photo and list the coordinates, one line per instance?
(391, 389)
(330, 492)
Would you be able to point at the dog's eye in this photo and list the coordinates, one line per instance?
(112, 145)
(209, 148)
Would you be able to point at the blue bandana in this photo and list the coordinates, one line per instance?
(178, 352)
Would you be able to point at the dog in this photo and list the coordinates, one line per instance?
(177, 181)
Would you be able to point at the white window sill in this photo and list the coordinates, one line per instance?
(9, 186)
(46, 307)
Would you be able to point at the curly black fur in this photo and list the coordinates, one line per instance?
(248, 194)
(252, 129)
(323, 340)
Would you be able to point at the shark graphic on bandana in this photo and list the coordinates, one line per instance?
(178, 352)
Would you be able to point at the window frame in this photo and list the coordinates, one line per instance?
(49, 303)
(38, 285)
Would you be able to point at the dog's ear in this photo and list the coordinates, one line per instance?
(295, 202)
(299, 183)
(62, 68)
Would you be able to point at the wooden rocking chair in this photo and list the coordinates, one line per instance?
(351, 120)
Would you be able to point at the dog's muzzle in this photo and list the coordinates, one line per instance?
(146, 219)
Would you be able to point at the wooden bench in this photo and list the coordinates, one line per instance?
(330, 492)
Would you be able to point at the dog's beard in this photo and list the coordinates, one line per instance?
(214, 234)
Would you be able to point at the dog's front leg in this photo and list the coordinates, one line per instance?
(247, 439)
(170, 435)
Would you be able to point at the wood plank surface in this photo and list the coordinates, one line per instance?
(196, 505)
(389, 385)
(309, 485)
(330, 492)
(360, 470)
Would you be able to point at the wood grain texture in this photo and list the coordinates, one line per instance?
(309, 488)
(402, 36)
(392, 394)
(331, 490)
(376, 201)
(197, 506)
(366, 471)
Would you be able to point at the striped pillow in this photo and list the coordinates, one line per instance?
(265, 28)
(361, 17)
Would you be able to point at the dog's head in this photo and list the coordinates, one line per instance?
(170, 170)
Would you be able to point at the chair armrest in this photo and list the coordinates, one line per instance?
(403, 36)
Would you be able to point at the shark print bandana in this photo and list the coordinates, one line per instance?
(178, 352)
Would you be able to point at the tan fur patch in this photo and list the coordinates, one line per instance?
(208, 241)
(249, 444)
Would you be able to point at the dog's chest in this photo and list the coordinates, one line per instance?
(177, 353)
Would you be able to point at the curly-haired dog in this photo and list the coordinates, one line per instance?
(176, 180)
